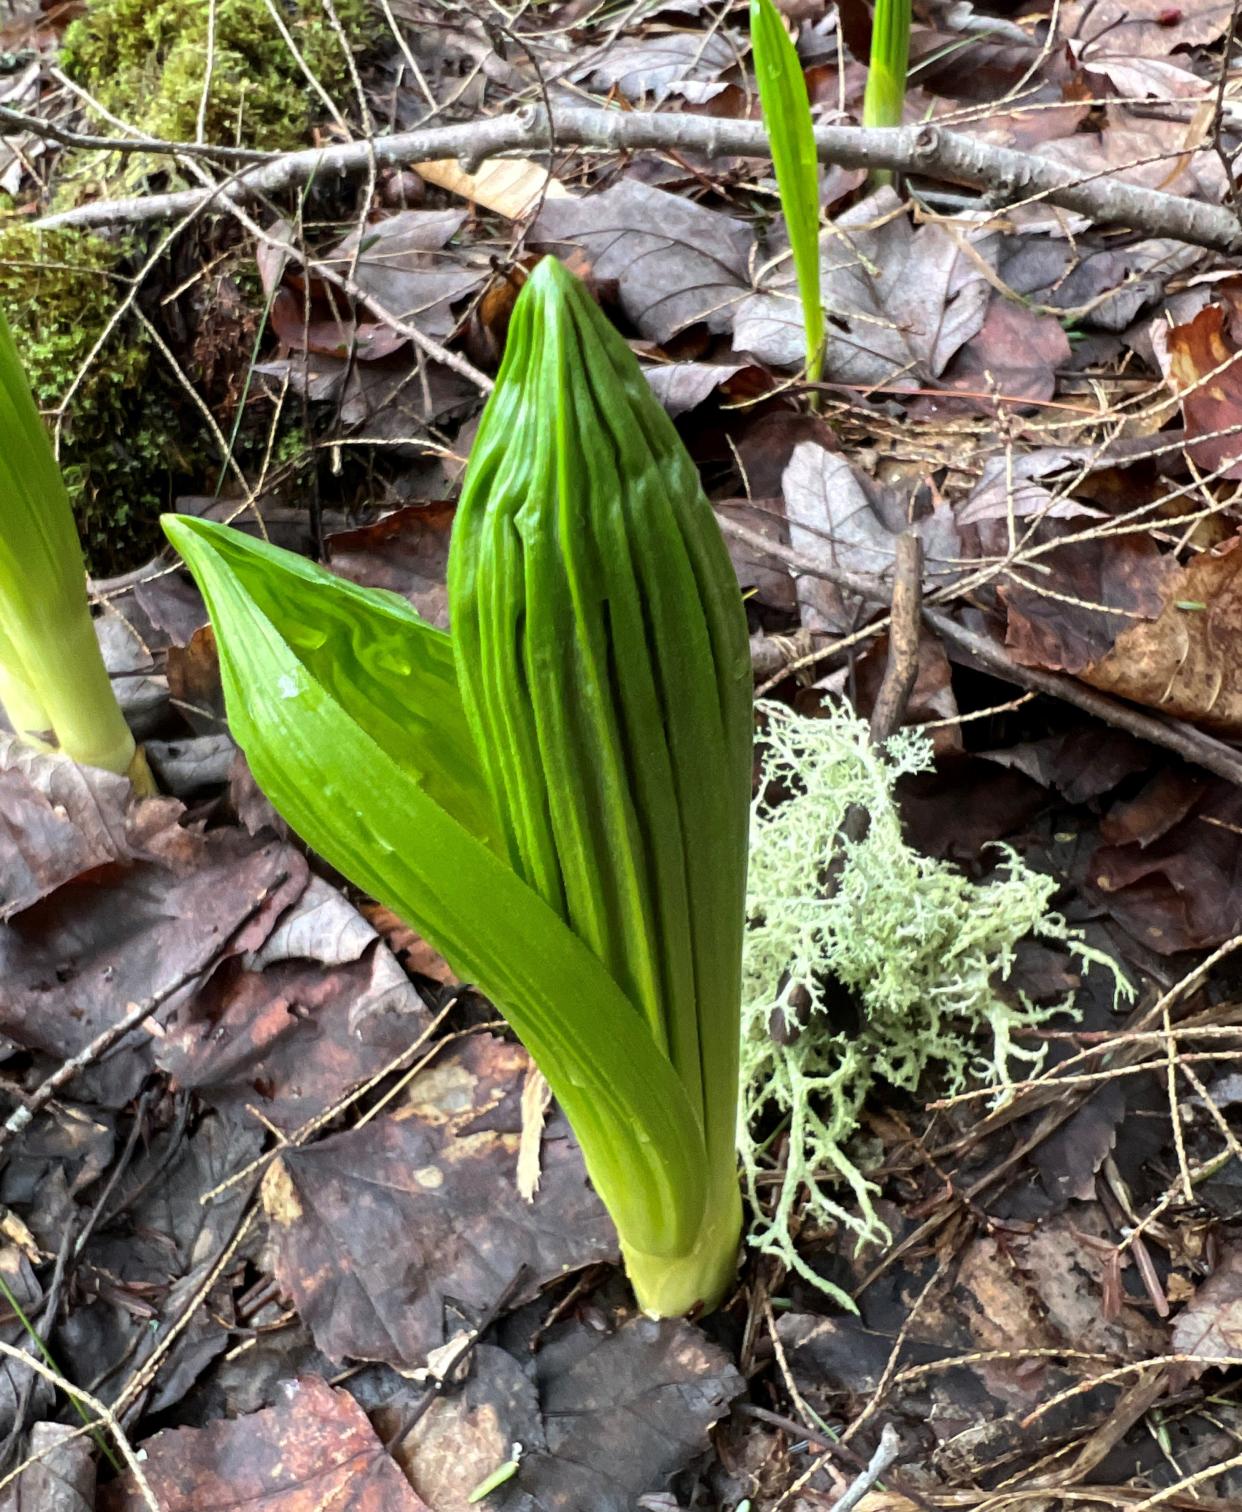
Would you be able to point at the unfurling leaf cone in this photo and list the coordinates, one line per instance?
(557, 797)
(603, 662)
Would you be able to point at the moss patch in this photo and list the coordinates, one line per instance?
(924, 951)
(59, 289)
(146, 61)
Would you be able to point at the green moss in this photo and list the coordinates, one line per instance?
(59, 289)
(145, 60)
(922, 949)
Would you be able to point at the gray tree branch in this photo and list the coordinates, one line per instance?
(925, 149)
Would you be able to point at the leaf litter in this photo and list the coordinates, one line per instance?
(277, 1225)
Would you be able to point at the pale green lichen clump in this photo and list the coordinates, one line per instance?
(922, 949)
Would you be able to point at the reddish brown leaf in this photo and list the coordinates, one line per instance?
(1011, 360)
(329, 333)
(1188, 661)
(313, 1451)
(406, 551)
(1203, 371)
(1181, 890)
(1099, 586)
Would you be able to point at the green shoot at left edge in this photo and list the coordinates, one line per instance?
(54, 687)
(791, 133)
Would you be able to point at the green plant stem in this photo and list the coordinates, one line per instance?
(20, 702)
(77, 693)
(696, 1281)
(55, 688)
(885, 96)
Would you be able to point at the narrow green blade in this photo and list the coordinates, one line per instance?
(791, 133)
(376, 822)
(885, 95)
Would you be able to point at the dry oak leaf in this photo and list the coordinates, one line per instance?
(1188, 661)
(1211, 1322)
(1200, 362)
(314, 1451)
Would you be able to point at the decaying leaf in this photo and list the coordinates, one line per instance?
(1211, 1322)
(376, 1229)
(290, 1028)
(1201, 365)
(900, 302)
(675, 263)
(314, 1450)
(1187, 661)
(405, 551)
(60, 1476)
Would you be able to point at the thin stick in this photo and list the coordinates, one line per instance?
(885, 1454)
(902, 670)
(924, 149)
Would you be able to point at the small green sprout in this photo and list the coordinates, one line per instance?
(791, 133)
(500, 1476)
(885, 96)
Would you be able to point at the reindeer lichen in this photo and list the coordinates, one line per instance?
(922, 950)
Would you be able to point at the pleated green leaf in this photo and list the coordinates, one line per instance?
(327, 747)
(604, 665)
(791, 133)
(384, 665)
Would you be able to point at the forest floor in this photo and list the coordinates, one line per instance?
(259, 1196)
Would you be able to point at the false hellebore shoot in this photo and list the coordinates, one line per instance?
(885, 96)
(791, 136)
(557, 795)
(54, 688)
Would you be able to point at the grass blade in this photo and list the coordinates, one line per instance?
(787, 113)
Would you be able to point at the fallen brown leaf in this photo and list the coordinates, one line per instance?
(1202, 370)
(312, 1451)
(376, 1227)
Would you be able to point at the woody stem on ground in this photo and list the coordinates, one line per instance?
(1005, 175)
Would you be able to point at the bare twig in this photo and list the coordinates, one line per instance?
(902, 670)
(1184, 740)
(924, 149)
(885, 1454)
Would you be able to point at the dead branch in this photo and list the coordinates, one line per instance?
(924, 149)
(902, 669)
(1183, 740)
